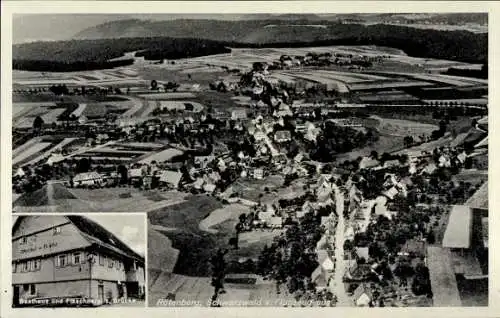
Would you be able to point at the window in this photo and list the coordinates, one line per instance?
(25, 267)
(36, 265)
(110, 263)
(24, 240)
(77, 258)
(57, 230)
(101, 260)
(14, 267)
(61, 261)
(32, 289)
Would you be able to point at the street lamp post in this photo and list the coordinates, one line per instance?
(90, 260)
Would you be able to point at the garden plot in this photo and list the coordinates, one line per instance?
(358, 76)
(24, 109)
(181, 105)
(242, 100)
(46, 82)
(228, 212)
(145, 146)
(283, 77)
(48, 116)
(166, 96)
(392, 84)
(334, 77)
(449, 80)
(401, 127)
(339, 86)
(113, 150)
(161, 156)
(200, 69)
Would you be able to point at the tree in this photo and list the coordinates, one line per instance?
(234, 242)
(431, 238)
(123, 172)
(242, 217)
(408, 141)
(38, 123)
(154, 85)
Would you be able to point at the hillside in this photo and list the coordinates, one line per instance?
(193, 38)
(77, 55)
(455, 45)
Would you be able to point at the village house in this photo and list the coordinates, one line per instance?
(368, 162)
(320, 278)
(362, 296)
(170, 179)
(72, 257)
(282, 136)
(325, 261)
(356, 275)
(88, 179)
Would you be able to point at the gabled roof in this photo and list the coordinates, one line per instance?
(391, 193)
(367, 162)
(414, 246)
(458, 231)
(362, 289)
(172, 177)
(319, 277)
(95, 234)
(87, 176)
(359, 271)
(362, 252)
(134, 173)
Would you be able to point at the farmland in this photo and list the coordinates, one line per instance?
(258, 157)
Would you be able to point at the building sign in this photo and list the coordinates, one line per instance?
(41, 247)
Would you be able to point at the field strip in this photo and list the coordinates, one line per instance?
(47, 153)
(53, 115)
(166, 96)
(138, 104)
(25, 146)
(355, 75)
(30, 151)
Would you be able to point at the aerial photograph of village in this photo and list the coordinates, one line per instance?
(288, 160)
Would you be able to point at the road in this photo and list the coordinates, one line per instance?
(337, 286)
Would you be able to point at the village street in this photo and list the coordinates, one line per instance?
(337, 286)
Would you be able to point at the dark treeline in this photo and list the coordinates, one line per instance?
(78, 55)
(428, 43)
(172, 49)
(55, 66)
(94, 54)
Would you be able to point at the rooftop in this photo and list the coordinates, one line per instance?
(458, 231)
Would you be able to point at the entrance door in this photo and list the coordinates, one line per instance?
(120, 290)
(15, 300)
(100, 292)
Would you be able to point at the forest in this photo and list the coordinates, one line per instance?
(79, 55)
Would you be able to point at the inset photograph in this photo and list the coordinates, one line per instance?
(78, 261)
